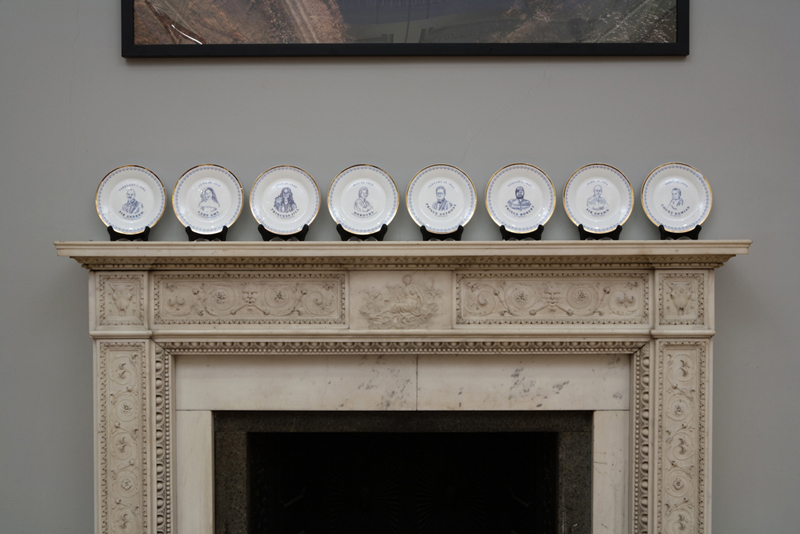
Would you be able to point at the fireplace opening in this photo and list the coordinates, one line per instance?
(402, 472)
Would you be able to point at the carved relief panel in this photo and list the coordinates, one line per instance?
(120, 299)
(681, 456)
(123, 438)
(405, 300)
(552, 298)
(682, 298)
(249, 298)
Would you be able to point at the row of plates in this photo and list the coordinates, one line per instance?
(363, 198)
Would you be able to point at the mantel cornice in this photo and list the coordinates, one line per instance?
(398, 254)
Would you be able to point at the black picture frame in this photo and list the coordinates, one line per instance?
(132, 50)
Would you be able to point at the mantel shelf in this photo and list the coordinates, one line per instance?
(398, 254)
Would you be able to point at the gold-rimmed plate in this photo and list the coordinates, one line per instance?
(130, 198)
(599, 197)
(363, 198)
(520, 197)
(207, 198)
(284, 199)
(677, 196)
(441, 198)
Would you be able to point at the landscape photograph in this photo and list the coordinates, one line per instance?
(286, 22)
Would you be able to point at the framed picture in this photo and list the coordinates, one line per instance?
(241, 28)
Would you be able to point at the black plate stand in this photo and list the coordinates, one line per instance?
(536, 235)
(220, 236)
(347, 236)
(613, 234)
(694, 233)
(266, 235)
(128, 237)
(452, 236)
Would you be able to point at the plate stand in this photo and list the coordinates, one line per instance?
(694, 233)
(219, 236)
(266, 235)
(613, 234)
(115, 236)
(536, 235)
(347, 236)
(452, 236)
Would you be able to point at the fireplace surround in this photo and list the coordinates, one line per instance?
(621, 329)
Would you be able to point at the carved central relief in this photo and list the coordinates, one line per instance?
(406, 305)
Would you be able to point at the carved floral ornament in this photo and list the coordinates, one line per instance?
(249, 298)
(682, 427)
(552, 298)
(122, 372)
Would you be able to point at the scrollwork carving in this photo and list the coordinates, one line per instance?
(552, 298)
(681, 431)
(304, 298)
(122, 430)
(121, 299)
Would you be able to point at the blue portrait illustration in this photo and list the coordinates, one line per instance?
(677, 202)
(596, 202)
(209, 205)
(284, 203)
(362, 205)
(519, 202)
(132, 208)
(441, 204)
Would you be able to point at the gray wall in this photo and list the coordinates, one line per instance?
(71, 109)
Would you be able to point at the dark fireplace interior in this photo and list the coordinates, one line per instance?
(403, 472)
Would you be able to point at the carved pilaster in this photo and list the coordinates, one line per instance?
(682, 462)
(120, 302)
(122, 434)
(683, 299)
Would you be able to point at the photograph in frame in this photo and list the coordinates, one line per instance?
(239, 28)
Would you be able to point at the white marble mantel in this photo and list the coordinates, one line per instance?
(623, 329)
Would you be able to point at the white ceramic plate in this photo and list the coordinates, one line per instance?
(677, 196)
(284, 199)
(520, 197)
(206, 198)
(362, 199)
(599, 197)
(130, 198)
(441, 198)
